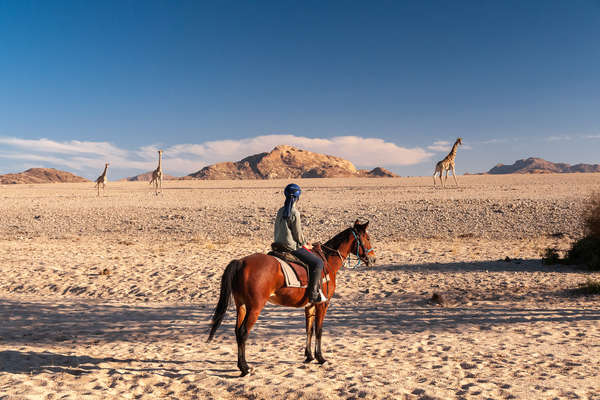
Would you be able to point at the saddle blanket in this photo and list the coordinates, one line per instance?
(293, 277)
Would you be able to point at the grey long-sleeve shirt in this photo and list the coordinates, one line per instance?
(289, 233)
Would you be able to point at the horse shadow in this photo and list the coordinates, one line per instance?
(31, 362)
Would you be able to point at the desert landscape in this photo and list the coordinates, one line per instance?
(111, 296)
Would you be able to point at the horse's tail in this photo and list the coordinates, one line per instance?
(226, 281)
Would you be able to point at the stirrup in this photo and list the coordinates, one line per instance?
(321, 299)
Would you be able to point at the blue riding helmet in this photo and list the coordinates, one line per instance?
(292, 193)
(292, 190)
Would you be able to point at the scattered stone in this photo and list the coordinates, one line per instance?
(438, 298)
(467, 365)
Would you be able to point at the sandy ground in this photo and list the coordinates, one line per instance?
(110, 297)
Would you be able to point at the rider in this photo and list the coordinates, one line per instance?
(288, 234)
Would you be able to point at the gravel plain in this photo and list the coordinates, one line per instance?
(110, 297)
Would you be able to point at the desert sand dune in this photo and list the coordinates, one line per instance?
(111, 297)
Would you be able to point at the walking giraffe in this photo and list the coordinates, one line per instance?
(447, 164)
(157, 175)
(102, 179)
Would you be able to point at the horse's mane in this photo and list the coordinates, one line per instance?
(337, 240)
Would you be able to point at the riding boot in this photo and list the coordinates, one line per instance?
(314, 286)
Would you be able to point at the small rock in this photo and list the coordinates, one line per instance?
(438, 298)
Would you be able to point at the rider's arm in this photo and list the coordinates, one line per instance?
(296, 229)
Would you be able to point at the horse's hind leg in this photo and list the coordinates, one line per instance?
(247, 316)
(320, 316)
(310, 319)
(241, 334)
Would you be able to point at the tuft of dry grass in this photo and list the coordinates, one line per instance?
(551, 257)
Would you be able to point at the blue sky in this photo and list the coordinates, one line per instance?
(381, 83)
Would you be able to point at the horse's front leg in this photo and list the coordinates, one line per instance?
(320, 316)
(310, 318)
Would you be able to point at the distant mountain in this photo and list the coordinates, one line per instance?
(377, 172)
(147, 176)
(540, 166)
(40, 175)
(287, 162)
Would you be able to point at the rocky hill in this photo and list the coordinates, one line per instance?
(287, 162)
(534, 165)
(40, 175)
(147, 176)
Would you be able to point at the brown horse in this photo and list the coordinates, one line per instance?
(256, 279)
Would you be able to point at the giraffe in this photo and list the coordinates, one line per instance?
(102, 179)
(447, 164)
(157, 175)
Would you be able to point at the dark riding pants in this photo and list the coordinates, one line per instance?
(314, 262)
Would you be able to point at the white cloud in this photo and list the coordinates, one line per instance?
(361, 151)
(494, 141)
(440, 145)
(559, 138)
(89, 157)
(443, 146)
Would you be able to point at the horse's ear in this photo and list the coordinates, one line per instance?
(365, 225)
(356, 223)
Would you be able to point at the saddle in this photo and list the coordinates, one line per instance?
(300, 269)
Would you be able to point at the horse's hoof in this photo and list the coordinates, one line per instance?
(246, 371)
(321, 360)
(308, 359)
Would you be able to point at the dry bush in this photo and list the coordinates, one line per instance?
(585, 251)
(592, 217)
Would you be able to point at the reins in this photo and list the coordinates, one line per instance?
(359, 246)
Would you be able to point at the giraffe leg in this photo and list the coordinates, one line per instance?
(310, 319)
(454, 175)
(441, 181)
(434, 173)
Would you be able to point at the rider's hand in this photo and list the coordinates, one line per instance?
(308, 246)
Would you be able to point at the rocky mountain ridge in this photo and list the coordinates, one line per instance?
(41, 175)
(287, 162)
(533, 165)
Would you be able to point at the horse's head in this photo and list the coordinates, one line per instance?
(362, 244)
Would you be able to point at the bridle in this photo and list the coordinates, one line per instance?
(360, 246)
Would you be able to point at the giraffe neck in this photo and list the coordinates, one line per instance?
(159, 161)
(105, 168)
(452, 153)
